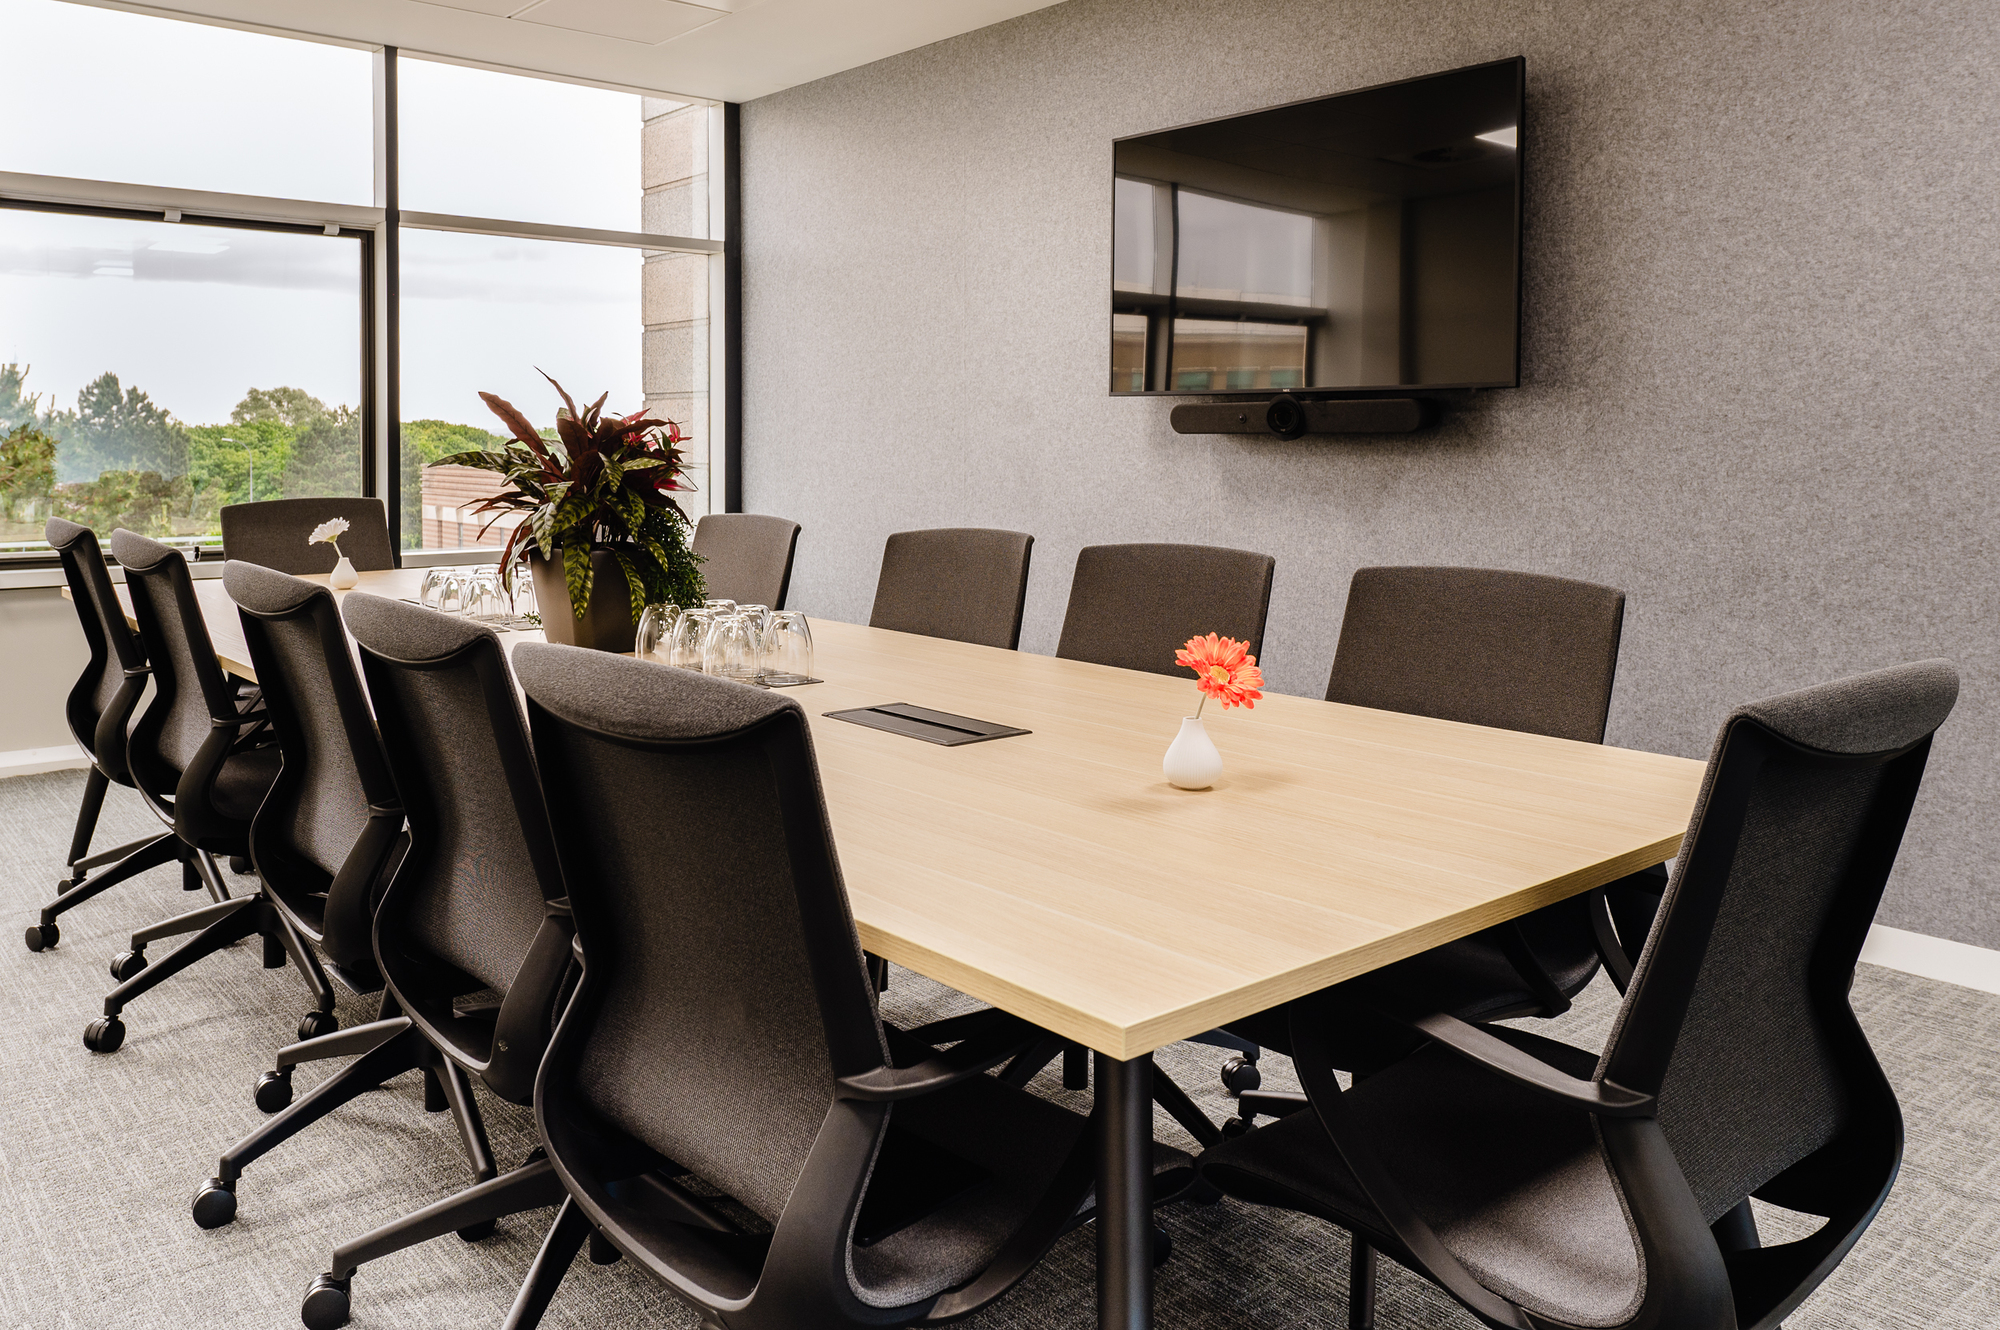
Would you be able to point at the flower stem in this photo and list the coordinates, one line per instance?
(1199, 705)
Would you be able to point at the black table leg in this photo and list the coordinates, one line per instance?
(1124, 1192)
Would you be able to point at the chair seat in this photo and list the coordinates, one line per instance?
(1471, 979)
(1514, 1184)
(244, 780)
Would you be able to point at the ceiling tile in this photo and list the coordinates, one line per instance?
(648, 22)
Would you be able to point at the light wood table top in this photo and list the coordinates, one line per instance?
(1057, 874)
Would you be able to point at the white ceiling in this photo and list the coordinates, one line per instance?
(728, 50)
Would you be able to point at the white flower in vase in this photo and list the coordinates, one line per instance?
(329, 532)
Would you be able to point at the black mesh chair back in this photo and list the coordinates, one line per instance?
(469, 899)
(725, 1026)
(180, 750)
(1133, 606)
(101, 703)
(272, 532)
(1517, 651)
(748, 557)
(1738, 1016)
(324, 835)
(1546, 1187)
(966, 584)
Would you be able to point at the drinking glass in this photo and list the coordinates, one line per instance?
(719, 606)
(524, 593)
(689, 632)
(444, 590)
(788, 649)
(654, 640)
(731, 649)
(759, 617)
(485, 600)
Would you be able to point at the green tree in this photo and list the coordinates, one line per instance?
(223, 460)
(17, 408)
(27, 474)
(326, 456)
(142, 501)
(288, 406)
(114, 428)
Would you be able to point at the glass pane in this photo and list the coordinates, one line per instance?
(1238, 251)
(1211, 355)
(483, 313)
(106, 95)
(1128, 353)
(483, 144)
(151, 372)
(1132, 243)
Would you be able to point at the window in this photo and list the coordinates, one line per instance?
(114, 96)
(193, 255)
(151, 372)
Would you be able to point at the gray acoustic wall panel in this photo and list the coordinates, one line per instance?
(1759, 386)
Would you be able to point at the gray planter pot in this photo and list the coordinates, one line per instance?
(606, 624)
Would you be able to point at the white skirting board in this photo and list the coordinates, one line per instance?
(28, 761)
(1913, 953)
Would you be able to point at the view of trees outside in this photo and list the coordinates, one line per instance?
(118, 459)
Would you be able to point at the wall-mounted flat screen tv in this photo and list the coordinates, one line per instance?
(1363, 242)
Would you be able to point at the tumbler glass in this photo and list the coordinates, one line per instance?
(788, 649)
(685, 645)
(654, 640)
(484, 598)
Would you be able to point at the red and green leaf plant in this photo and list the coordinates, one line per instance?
(607, 482)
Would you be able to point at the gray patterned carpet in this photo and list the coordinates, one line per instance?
(99, 1157)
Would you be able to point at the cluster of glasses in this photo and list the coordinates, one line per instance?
(748, 643)
(479, 593)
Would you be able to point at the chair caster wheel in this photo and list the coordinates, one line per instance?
(42, 936)
(315, 1024)
(1163, 1246)
(475, 1232)
(1240, 1074)
(274, 1091)
(65, 885)
(126, 964)
(214, 1204)
(239, 863)
(1233, 1128)
(104, 1034)
(325, 1307)
(603, 1251)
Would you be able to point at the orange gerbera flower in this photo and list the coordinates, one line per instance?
(1223, 669)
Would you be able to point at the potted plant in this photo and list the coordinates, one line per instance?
(604, 536)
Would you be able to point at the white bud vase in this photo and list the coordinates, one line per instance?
(343, 575)
(1192, 762)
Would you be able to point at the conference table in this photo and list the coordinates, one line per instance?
(1058, 876)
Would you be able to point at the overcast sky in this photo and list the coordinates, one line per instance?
(198, 315)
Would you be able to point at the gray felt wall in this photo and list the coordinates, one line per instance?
(1759, 369)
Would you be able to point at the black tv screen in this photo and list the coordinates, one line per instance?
(1359, 242)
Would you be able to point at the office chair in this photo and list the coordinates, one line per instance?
(1542, 1186)
(99, 712)
(727, 933)
(1133, 605)
(966, 584)
(1511, 650)
(273, 532)
(203, 766)
(746, 557)
(472, 935)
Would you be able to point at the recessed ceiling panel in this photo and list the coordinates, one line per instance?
(498, 8)
(648, 22)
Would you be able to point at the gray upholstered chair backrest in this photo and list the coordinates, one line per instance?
(333, 759)
(1737, 1015)
(965, 583)
(1133, 606)
(1518, 651)
(480, 864)
(748, 557)
(273, 532)
(724, 985)
(113, 648)
(189, 687)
